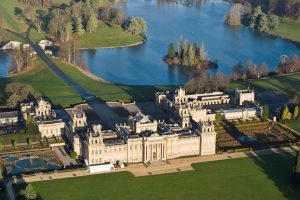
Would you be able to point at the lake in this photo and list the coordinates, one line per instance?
(203, 22)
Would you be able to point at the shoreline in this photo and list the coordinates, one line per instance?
(113, 47)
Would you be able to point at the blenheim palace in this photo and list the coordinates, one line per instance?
(188, 129)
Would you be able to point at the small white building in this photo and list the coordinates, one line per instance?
(45, 43)
(12, 45)
(9, 118)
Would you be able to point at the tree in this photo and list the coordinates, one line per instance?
(265, 112)
(73, 155)
(136, 25)
(273, 21)
(233, 18)
(202, 52)
(1, 146)
(69, 30)
(17, 92)
(193, 54)
(29, 141)
(13, 142)
(29, 193)
(31, 127)
(286, 114)
(296, 112)
(92, 24)
(180, 48)
(171, 51)
(218, 117)
(79, 27)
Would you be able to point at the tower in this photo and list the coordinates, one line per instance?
(207, 138)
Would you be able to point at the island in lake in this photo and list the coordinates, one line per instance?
(188, 55)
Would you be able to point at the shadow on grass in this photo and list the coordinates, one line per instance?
(279, 169)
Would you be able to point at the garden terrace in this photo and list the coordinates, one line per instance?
(254, 134)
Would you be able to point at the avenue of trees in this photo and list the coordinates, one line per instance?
(188, 55)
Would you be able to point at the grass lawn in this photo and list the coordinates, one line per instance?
(293, 124)
(288, 84)
(110, 92)
(288, 29)
(19, 138)
(46, 83)
(266, 177)
(106, 36)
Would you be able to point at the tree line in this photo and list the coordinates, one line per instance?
(255, 19)
(282, 8)
(202, 82)
(188, 55)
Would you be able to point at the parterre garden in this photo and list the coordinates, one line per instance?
(252, 133)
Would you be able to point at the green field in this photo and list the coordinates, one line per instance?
(288, 29)
(286, 84)
(106, 36)
(266, 177)
(293, 124)
(108, 91)
(46, 83)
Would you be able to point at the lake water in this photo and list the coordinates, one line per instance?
(198, 23)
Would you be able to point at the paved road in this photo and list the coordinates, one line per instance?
(83, 93)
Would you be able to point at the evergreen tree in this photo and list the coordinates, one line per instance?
(171, 51)
(263, 24)
(296, 112)
(265, 113)
(202, 52)
(273, 21)
(92, 24)
(79, 27)
(186, 48)
(180, 48)
(193, 53)
(255, 18)
(286, 114)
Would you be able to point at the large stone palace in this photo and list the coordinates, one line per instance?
(143, 140)
(188, 129)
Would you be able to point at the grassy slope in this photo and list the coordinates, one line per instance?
(47, 83)
(288, 29)
(106, 36)
(293, 124)
(288, 84)
(267, 177)
(107, 91)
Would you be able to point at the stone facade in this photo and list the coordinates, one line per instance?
(242, 96)
(154, 141)
(45, 117)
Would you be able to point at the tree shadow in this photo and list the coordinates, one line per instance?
(278, 167)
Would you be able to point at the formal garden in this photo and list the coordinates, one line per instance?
(242, 135)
